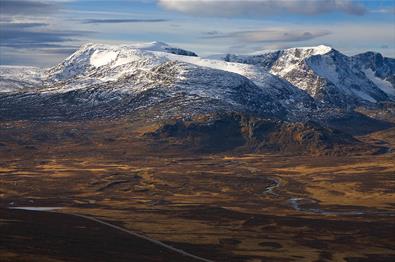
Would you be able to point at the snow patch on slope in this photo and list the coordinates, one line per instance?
(291, 59)
(16, 78)
(237, 68)
(316, 50)
(123, 54)
(364, 95)
(384, 85)
(326, 68)
(102, 57)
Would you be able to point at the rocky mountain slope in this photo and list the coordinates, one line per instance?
(380, 70)
(238, 132)
(329, 76)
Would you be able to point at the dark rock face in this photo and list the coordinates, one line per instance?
(302, 138)
(214, 135)
(265, 60)
(383, 66)
(178, 51)
(239, 132)
(357, 124)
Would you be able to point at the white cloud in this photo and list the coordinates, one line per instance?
(229, 8)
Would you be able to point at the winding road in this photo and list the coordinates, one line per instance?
(157, 242)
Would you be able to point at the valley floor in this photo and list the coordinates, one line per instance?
(223, 207)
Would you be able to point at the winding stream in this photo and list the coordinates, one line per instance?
(270, 189)
(299, 204)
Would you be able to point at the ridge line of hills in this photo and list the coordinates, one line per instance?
(156, 82)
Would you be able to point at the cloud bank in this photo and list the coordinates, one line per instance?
(259, 8)
(268, 36)
(119, 21)
(26, 7)
(19, 35)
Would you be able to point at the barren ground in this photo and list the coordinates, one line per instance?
(224, 207)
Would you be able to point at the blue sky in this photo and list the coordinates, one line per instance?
(44, 32)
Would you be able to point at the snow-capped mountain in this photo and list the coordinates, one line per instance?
(92, 56)
(131, 77)
(328, 75)
(292, 84)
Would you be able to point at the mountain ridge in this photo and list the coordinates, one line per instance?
(295, 84)
(156, 83)
(128, 71)
(328, 76)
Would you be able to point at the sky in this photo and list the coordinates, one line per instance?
(42, 33)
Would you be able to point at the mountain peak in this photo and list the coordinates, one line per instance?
(151, 46)
(311, 50)
(322, 49)
(159, 43)
(144, 46)
(99, 54)
(328, 75)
